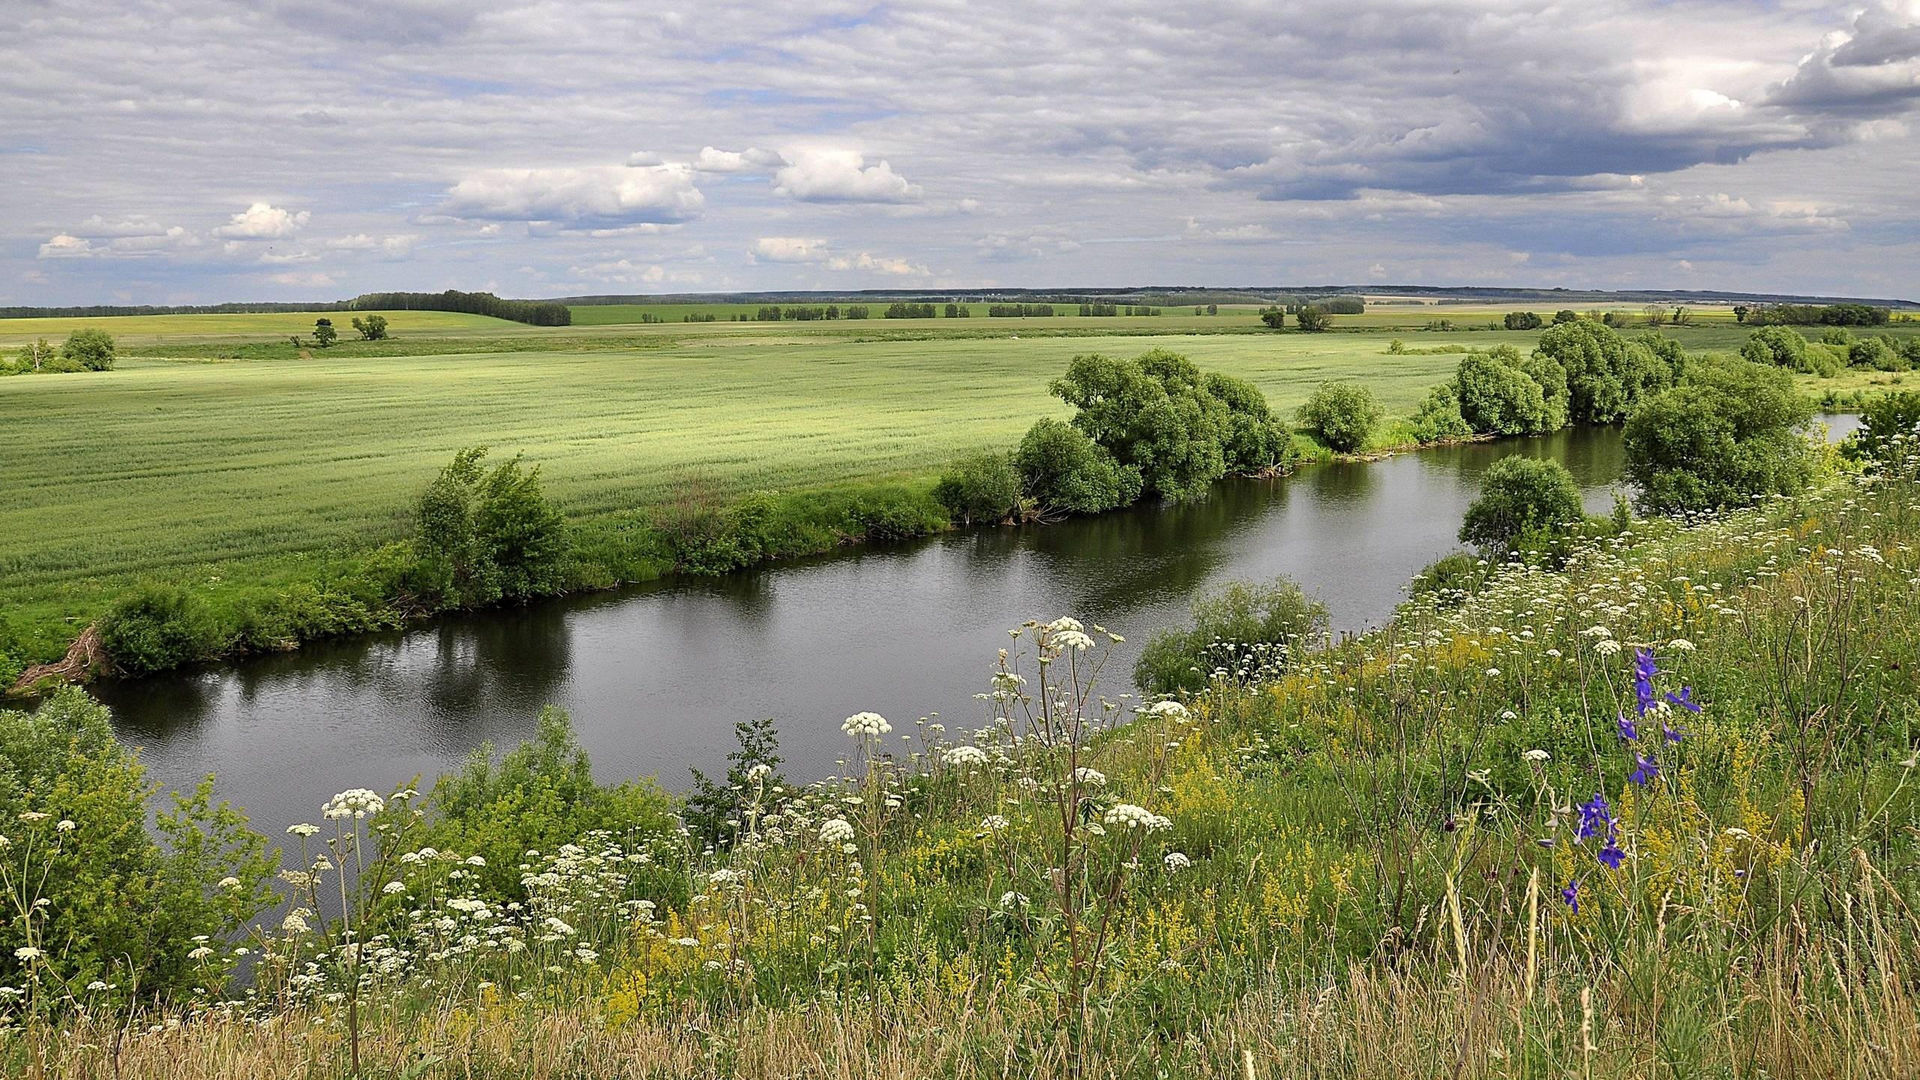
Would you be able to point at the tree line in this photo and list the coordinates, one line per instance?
(531, 312)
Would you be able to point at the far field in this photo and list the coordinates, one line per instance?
(184, 466)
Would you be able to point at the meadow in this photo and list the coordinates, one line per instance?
(1648, 816)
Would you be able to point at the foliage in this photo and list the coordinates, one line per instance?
(371, 328)
(1521, 495)
(324, 335)
(1879, 353)
(1606, 376)
(1777, 345)
(1502, 393)
(718, 813)
(1062, 469)
(1241, 631)
(982, 487)
(1565, 315)
(537, 797)
(1312, 318)
(1818, 315)
(1522, 320)
(1449, 581)
(1726, 434)
(1341, 415)
(1438, 419)
(157, 627)
(91, 349)
(532, 312)
(122, 908)
(1889, 430)
(486, 535)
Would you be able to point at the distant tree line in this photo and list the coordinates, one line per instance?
(802, 314)
(1813, 315)
(909, 311)
(531, 312)
(1020, 311)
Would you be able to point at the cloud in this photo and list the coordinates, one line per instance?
(1873, 70)
(790, 249)
(621, 271)
(828, 176)
(599, 196)
(865, 261)
(118, 240)
(752, 159)
(397, 246)
(263, 221)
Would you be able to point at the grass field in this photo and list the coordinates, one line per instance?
(216, 453)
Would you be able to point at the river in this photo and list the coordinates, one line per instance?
(656, 676)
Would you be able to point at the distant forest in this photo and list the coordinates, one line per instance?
(533, 312)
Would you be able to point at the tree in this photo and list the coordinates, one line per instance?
(1779, 346)
(1341, 415)
(488, 535)
(324, 333)
(1740, 313)
(1275, 318)
(1596, 362)
(1521, 496)
(37, 355)
(1889, 432)
(1065, 471)
(1521, 320)
(371, 328)
(1565, 315)
(1438, 418)
(1725, 435)
(1501, 393)
(1311, 318)
(91, 349)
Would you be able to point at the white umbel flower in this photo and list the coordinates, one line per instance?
(866, 725)
(1129, 816)
(966, 756)
(836, 831)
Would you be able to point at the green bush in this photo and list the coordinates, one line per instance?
(1252, 441)
(125, 904)
(1502, 392)
(539, 796)
(1450, 580)
(1242, 628)
(1342, 415)
(1780, 346)
(1520, 495)
(1062, 469)
(1725, 435)
(156, 628)
(90, 349)
(1889, 431)
(1521, 320)
(1878, 353)
(488, 535)
(895, 513)
(979, 487)
(1605, 375)
(1438, 417)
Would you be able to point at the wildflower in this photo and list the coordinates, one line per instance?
(1171, 709)
(993, 822)
(1090, 777)
(1670, 733)
(836, 831)
(1011, 900)
(1611, 855)
(200, 953)
(1571, 894)
(393, 887)
(1680, 645)
(1176, 861)
(302, 830)
(229, 882)
(966, 756)
(1535, 756)
(866, 725)
(1595, 815)
(1071, 639)
(31, 816)
(295, 922)
(64, 825)
(1684, 699)
(354, 803)
(27, 954)
(1065, 624)
(1628, 729)
(1127, 815)
(476, 860)
(1645, 771)
(1644, 669)
(96, 986)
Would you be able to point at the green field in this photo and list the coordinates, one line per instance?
(217, 453)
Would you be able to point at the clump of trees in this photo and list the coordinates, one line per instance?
(1889, 432)
(486, 535)
(532, 312)
(1521, 320)
(371, 328)
(981, 487)
(1728, 432)
(1020, 311)
(1523, 503)
(1814, 315)
(86, 349)
(909, 311)
(1342, 415)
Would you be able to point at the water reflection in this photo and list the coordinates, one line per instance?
(656, 677)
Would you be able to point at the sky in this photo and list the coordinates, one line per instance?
(196, 151)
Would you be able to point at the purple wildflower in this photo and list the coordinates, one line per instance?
(1611, 855)
(1684, 699)
(1646, 770)
(1644, 669)
(1671, 733)
(1594, 816)
(1629, 730)
(1571, 894)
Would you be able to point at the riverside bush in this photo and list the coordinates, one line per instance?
(1502, 392)
(487, 535)
(1341, 415)
(1519, 496)
(979, 487)
(1240, 631)
(156, 628)
(1728, 433)
(1063, 470)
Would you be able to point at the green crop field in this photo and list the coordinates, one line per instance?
(217, 452)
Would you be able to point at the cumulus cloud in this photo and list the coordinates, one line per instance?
(263, 221)
(842, 176)
(1872, 70)
(397, 246)
(118, 240)
(591, 196)
(815, 251)
(752, 159)
(790, 249)
(620, 272)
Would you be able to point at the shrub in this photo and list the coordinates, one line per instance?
(1450, 580)
(1342, 415)
(1889, 430)
(1153, 415)
(1438, 417)
(1501, 393)
(979, 487)
(1726, 434)
(1064, 470)
(1596, 365)
(1777, 345)
(1239, 628)
(895, 513)
(716, 812)
(488, 535)
(1521, 320)
(1563, 316)
(90, 349)
(1313, 318)
(539, 796)
(124, 903)
(1520, 495)
(156, 628)
(1878, 353)
(1252, 439)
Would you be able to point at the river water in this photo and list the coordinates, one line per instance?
(656, 676)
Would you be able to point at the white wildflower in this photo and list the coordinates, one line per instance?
(866, 725)
(1176, 861)
(836, 831)
(1127, 815)
(966, 756)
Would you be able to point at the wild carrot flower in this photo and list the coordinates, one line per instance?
(1127, 815)
(836, 831)
(866, 725)
(1176, 861)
